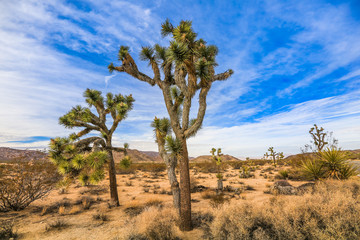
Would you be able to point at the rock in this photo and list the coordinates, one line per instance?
(283, 188)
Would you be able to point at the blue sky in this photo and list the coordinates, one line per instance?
(296, 63)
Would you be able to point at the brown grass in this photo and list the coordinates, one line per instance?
(332, 212)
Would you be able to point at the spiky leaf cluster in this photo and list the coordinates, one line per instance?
(331, 163)
(87, 167)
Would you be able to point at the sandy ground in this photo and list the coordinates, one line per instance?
(31, 223)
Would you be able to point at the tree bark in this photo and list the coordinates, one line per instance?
(185, 193)
(112, 176)
(220, 185)
(175, 188)
(171, 163)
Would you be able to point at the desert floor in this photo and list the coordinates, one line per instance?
(78, 205)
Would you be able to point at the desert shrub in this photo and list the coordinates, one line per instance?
(7, 229)
(153, 224)
(135, 208)
(331, 212)
(283, 174)
(100, 216)
(245, 172)
(21, 183)
(125, 163)
(218, 200)
(58, 224)
(208, 194)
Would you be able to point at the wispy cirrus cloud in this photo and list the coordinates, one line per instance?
(295, 64)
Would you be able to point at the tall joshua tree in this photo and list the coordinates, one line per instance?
(169, 149)
(188, 65)
(86, 157)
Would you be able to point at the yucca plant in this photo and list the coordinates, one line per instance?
(336, 165)
(188, 64)
(313, 169)
(86, 158)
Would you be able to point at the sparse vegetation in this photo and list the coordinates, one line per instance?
(21, 183)
(58, 224)
(299, 218)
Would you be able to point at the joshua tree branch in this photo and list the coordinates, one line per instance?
(201, 112)
(222, 76)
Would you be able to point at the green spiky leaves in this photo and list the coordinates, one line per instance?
(123, 52)
(147, 54)
(72, 163)
(178, 52)
(166, 28)
(173, 145)
(184, 32)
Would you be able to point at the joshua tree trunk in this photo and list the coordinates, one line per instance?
(220, 185)
(171, 162)
(175, 188)
(112, 177)
(185, 193)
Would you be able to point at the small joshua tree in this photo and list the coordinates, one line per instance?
(320, 139)
(169, 148)
(273, 155)
(86, 158)
(216, 155)
(126, 161)
(188, 65)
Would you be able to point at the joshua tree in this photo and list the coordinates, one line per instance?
(320, 139)
(169, 149)
(217, 159)
(86, 158)
(274, 155)
(188, 65)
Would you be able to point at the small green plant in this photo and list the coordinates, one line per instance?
(216, 155)
(284, 174)
(125, 163)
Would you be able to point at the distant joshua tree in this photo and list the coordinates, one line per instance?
(216, 155)
(85, 158)
(169, 150)
(188, 66)
(273, 155)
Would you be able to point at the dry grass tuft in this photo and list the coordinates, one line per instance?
(153, 224)
(57, 225)
(331, 212)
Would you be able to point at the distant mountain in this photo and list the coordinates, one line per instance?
(10, 154)
(139, 156)
(206, 158)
